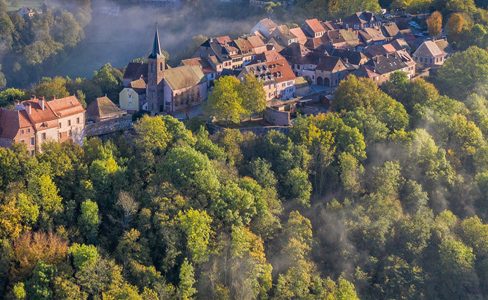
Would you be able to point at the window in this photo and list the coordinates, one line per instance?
(160, 66)
(69, 122)
(60, 135)
(28, 130)
(22, 131)
(78, 120)
(43, 136)
(33, 141)
(70, 133)
(60, 125)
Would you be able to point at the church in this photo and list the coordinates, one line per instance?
(168, 90)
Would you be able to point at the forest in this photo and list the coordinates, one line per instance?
(384, 197)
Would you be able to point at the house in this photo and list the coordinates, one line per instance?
(298, 32)
(342, 38)
(303, 60)
(330, 71)
(390, 30)
(355, 58)
(35, 121)
(361, 20)
(173, 89)
(207, 68)
(276, 75)
(134, 71)
(133, 97)
(130, 100)
(429, 54)
(103, 109)
(284, 36)
(371, 35)
(381, 67)
(315, 44)
(257, 44)
(400, 44)
(224, 52)
(26, 12)
(444, 45)
(377, 50)
(313, 28)
(265, 27)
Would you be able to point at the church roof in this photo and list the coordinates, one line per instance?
(183, 77)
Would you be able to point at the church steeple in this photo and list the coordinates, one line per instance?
(155, 76)
(156, 49)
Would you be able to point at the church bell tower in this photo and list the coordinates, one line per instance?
(155, 75)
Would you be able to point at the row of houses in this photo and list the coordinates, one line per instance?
(321, 52)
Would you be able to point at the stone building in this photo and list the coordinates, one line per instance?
(35, 121)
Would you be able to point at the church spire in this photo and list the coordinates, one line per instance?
(156, 49)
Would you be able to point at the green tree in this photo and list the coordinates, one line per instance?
(456, 269)
(192, 173)
(337, 8)
(225, 102)
(253, 96)
(10, 95)
(67, 30)
(84, 256)
(298, 186)
(186, 291)
(39, 285)
(152, 134)
(196, 226)
(51, 88)
(110, 80)
(354, 93)
(46, 195)
(89, 220)
(464, 73)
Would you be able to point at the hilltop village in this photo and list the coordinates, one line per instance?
(295, 64)
(299, 68)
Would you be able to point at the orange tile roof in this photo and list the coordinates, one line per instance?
(298, 32)
(67, 106)
(39, 116)
(315, 25)
(255, 41)
(271, 71)
(269, 56)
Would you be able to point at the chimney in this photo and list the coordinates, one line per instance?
(28, 108)
(42, 103)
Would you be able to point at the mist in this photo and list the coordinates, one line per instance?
(117, 34)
